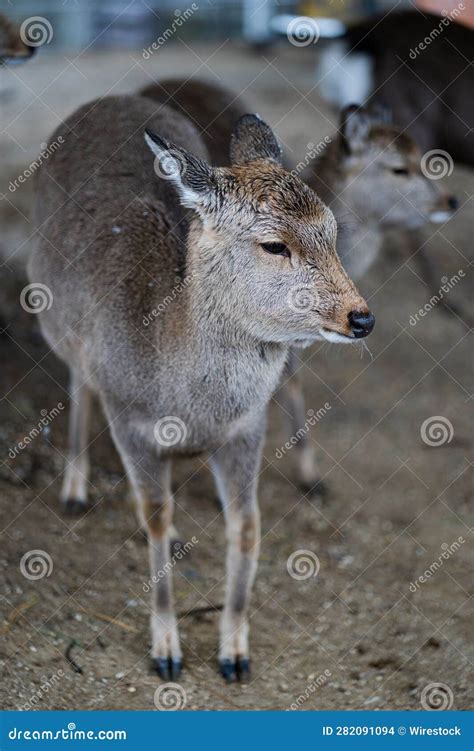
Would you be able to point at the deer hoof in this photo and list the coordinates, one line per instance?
(74, 506)
(168, 668)
(235, 670)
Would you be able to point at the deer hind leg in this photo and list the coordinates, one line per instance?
(76, 476)
(304, 450)
(235, 468)
(150, 478)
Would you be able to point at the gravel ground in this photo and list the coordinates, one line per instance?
(358, 635)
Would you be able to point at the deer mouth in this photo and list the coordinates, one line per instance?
(334, 336)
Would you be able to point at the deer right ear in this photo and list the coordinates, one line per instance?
(354, 128)
(253, 139)
(193, 178)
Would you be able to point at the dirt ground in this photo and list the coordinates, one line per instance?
(355, 636)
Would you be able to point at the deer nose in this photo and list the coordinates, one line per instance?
(361, 323)
(453, 202)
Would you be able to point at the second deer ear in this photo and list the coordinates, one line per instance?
(355, 127)
(253, 139)
(193, 178)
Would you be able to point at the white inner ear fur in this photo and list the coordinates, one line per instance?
(169, 165)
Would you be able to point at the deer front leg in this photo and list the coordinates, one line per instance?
(74, 489)
(235, 468)
(305, 454)
(150, 478)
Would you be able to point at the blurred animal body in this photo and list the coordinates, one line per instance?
(172, 302)
(13, 49)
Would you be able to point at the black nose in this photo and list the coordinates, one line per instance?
(361, 323)
(453, 202)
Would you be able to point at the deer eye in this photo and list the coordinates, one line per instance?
(400, 171)
(276, 249)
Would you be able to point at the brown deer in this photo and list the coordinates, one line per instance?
(116, 240)
(368, 173)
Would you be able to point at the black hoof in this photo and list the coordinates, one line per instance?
(75, 507)
(317, 490)
(235, 670)
(168, 668)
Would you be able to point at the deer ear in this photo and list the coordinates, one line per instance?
(193, 178)
(253, 139)
(355, 127)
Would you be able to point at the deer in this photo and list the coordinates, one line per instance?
(368, 172)
(13, 48)
(118, 229)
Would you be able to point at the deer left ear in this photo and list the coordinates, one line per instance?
(355, 127)
(193, 178)
(253, 139)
